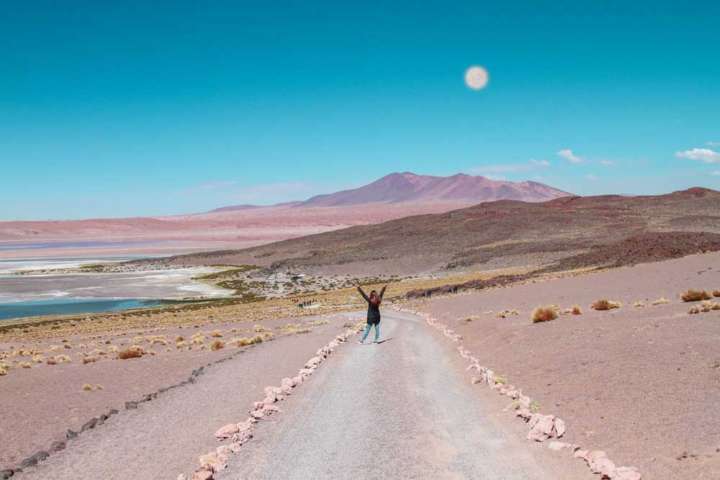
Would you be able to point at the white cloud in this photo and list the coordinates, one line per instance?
(607, 163)
(712, 144)
(568, 155)
(540, 163)
(591, 177)
(702, 154)
(716, 173)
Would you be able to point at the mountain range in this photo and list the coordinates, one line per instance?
(409, 187)
(398, 194)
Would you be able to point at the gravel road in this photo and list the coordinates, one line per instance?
(398, 409)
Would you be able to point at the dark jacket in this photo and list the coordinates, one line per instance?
(373, 314)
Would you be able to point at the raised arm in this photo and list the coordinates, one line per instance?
(382, 292)
(363, 293)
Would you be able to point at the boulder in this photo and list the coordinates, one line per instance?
(227, 431)
(541, 427)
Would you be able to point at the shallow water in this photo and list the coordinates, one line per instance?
(70, 306)
(69, 293)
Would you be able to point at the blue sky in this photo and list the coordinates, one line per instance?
(147, 108)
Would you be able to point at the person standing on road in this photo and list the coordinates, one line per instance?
(373, 315)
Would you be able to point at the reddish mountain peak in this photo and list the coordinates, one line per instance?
(458, 188)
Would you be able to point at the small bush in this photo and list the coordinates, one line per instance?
(87, 387)
(576, 310)
(604, 304)
(131, 352)
(695, 296)
(216, 334)
(217, 345)
(716, 293)
(544, 314)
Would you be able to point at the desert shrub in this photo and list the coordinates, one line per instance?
(704, 307)
(576, 310)
(25, 365)
(716, 293)
(695, 295)
(661, 301)
(131, 352)
(507, 313)
(604, 304)
(89, 359)
(3, 371)
(179, 338)
(217, 345)
(216, 334)
(87, 387)
(544, 314)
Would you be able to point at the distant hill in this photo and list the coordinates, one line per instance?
(409, 187)
(569, 232)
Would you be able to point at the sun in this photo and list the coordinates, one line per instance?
(476, 77)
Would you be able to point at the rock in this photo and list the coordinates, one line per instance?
(213, 461)
(70, 434)
(257, 414)
(622, 473)
(557, 446)
(202, 474)
(599, 463)
(34, 459)
(182, 476)
(5, 474)
(269, 410)
(131, 405)
(523, 413)
(541, 427)
(560, 427)
(227, 431)
(224, 450)
(524, 401)
(580, 453)
(297, 380)
(56, 446)
(90, 424)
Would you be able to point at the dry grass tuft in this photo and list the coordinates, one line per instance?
(604, 304)
(704, 307)
(716, 293)
(695, 296)
(87, 387)
(217, 345)
(134, 351)
(576, 310)
(216, 334)
(3, 371)
(89, 359)
(544, 314)
(25, 365)
(507, 313)
(661, 301)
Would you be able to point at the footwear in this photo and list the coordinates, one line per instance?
(361, 342)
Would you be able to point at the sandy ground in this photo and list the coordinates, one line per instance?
(639, 383)
(399, 409)
(42, 402)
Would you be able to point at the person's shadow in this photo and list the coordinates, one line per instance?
(384, 340)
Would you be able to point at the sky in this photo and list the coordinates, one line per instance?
(111, 109)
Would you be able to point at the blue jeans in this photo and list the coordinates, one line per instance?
(367, 330)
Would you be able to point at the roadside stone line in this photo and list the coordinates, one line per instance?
(241, 433)
(542, 427)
